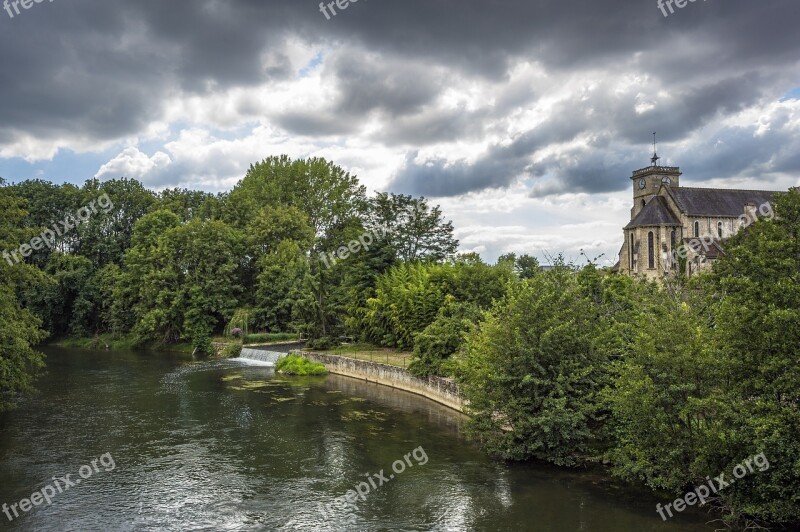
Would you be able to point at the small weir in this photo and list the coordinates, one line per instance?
(260, 355)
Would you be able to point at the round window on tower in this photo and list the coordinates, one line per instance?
(666, 181)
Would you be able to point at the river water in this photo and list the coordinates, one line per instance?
(218, 445)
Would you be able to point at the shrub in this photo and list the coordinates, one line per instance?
(297, 365)
(323, 344)
(531, 373)
(439, 340)
(201, 343)
(231, 351)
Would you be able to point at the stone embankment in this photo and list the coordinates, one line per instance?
(441, 390)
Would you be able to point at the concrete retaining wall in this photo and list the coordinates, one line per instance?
(443, 391)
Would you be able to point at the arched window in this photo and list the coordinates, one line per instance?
(719, 229)
(651, 256)
(630, 253)
(643, 203)
(696, 229)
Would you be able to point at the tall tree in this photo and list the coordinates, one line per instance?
(106, 236)
(416, 230)
(331, 198)
(19, 328)
(187, 284)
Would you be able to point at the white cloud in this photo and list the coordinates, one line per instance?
(134, 164)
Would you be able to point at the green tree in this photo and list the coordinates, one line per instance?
(46, 205)
(270, 227)
(107, 234)
(413, 228)
(281, 284)
(188, 204)
(193, 285)
(532, 375)
(331, 198)
(20, 364)
(65, 303)
(479, 283)
(407, 299)
(664, 397)
(132, 296)
(757, 331)
(527, 266)
(437, 342)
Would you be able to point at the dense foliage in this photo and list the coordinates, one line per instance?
(532, 373)
(19, 328)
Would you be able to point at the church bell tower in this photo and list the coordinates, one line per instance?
(648, 181)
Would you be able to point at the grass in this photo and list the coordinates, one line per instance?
(297, 365)
(371, 353)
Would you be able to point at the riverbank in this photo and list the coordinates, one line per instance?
(110, 342)
(438, 389)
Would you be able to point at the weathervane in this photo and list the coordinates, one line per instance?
(655, 155)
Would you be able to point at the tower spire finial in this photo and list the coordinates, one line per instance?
(655, 158)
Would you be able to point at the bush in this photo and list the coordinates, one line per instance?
(323, 344)
(231, 351)
(439, 340)
(531, 373)
(297, 365)
(201, 343)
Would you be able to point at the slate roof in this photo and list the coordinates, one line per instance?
(656, 212)
(718, 201)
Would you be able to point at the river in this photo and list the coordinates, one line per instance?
(217, 445)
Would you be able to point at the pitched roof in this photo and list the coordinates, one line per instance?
(718, 201)
(656, 212)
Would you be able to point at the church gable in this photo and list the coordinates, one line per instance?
(655, 213)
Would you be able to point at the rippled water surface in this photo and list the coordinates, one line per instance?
(223, 446)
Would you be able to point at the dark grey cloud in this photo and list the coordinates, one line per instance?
(103, 70)
(316, 124)
(435, 125)
(602, 116)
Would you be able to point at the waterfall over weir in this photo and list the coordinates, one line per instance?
(259, 355)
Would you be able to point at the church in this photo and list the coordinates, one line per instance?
(677, 229)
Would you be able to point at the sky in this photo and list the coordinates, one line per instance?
(523, 119)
